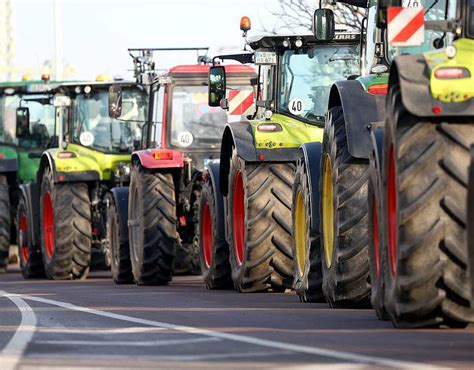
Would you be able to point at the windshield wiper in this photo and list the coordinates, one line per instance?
(431, 7)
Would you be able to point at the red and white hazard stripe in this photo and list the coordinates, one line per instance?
(406, 26)
(240, 102)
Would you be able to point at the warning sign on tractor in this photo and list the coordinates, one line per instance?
(240, 102)
(406, 26)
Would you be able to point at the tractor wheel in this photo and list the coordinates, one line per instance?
(152, 231)
(213, 248)
(31, 260)
(119, 249)
(4, 223)
(375, 239)
(259, 219)
(65, 224)
(306, 242)
(343, 189)
(425, 196)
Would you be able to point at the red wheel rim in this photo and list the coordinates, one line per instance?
(238, 217)
(48, 224)
(376, 238)
(207, 233)
(392, 211)
(23, 238)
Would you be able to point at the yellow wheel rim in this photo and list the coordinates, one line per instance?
(300, 233)
(328, 211)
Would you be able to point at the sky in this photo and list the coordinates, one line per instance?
(97, 33)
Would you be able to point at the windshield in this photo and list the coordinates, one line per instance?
(435, 10)
(41, 132)
(470, 26)
(196, 125)
(307, 75)
(94, 128)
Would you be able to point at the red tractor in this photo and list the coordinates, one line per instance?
(152, 223)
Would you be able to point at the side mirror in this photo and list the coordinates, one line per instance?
(324, 26)
(217, 85)
(22, 122)
(115, 101)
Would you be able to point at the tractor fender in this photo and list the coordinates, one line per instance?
(360, 110)
(120, 195)
(149, 158)
(212, 172)
(470, 224)
(413, 74)
(240, 135)
(8, 165)
(47, 160)
(312, 156)
(30, 192)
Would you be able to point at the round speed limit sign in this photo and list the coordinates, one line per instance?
(185, 138)
(296, 107)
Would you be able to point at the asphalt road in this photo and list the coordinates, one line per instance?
(95, 323)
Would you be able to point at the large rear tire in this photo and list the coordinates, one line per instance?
(213, 247)
(306, 242)
(343, 190)
(152, 231)
(425, 197)
(65, 224)
(120, 264)
(259, 222)
(5, 226)
(31, 260)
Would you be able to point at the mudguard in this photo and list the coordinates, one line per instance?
(121, 202)
(8, 165)
(470, 224)
(413, 74)
(30, 192)
(360, 109)
(159, 158)
(240, 136)
(212, 170)
(312, 154)
(47, 160)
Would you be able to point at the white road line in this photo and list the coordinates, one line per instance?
(13, 351)
(297, 348)
(100, 331)
(148, 343)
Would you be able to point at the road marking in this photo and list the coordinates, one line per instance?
(148, 343)
(13, 351)
(317, 351)
(132, 330)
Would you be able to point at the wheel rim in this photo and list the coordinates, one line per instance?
(238, 217)
(23, 238)
(392, 211)
(300, 233)
(207, 233)
(375, 237)
(48, 224)
(328, 211)
(135, 234)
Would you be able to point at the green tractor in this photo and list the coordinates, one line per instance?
(423, 173)
(63, 214)
(245, 210)
(26, 130)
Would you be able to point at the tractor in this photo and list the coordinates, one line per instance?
(245, 209)
(21, 146)
(152, 222)
(62, 215)
(422, 171)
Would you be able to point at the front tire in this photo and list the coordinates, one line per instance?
(5, 226)
(152, 231)
(306, 241)
(31, 260)
(259, 221)
(343, 189)
(425, 198)
(65, 224)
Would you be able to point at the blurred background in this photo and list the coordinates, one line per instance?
(79, 39)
